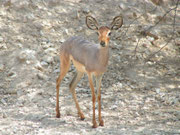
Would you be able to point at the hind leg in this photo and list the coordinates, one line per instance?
(72, 87)
(64, 67)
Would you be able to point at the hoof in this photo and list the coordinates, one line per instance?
(58, 115)
(101, 123)
(81, 116)
(94, 125)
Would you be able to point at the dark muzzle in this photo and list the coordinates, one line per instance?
(102, 43)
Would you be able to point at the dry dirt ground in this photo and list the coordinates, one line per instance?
(140, 96)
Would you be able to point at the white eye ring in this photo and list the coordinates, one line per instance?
(109, 34)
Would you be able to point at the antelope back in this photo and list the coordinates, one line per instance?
(92, 56)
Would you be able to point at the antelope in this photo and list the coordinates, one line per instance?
(87, 58)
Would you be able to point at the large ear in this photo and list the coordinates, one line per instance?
(91, 23)
(116, 23)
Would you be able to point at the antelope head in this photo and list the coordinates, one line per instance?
(104, 32)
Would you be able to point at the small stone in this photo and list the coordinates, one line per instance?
(150, 39)
(178, 115)
(11, 91)
(120, 78)
(41, 76)
(114, 107)
(39, 67)
(4, 115)
(56, 70)
(44, 63)
(49, 59)
(150, 63)
(69, 112)
(19, 45)
(66, 31)
(85, 10)
(28, 62)
(1, 67)
(122, 6)
(51, 51)
(158, 90)
(3, 46)
(62, 39)
(12, 74)
(20, 92)
(23, 84)
(26, 55)
(120, 85)
(3, 101)
(1, 39)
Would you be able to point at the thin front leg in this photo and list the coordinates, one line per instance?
(93, 99)
(72, 87)
(98, 86)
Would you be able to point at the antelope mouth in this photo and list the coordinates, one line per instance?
(102, 44)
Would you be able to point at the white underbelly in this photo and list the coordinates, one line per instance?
(80, 67)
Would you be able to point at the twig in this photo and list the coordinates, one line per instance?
(158, 50)
(133, 22)
(174, 21)
(136, 46)
(167, 12)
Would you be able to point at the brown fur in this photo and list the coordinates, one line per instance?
(87, 58)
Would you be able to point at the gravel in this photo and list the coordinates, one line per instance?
(138, 97)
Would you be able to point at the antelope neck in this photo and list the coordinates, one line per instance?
(104, 55)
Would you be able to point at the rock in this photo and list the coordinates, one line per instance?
(51, 51)
(46, 45)
(157, 90)
(120, 85)
(11, 91)
(177, 115)
(1, 67)
(150, 38)
(3, 102)
(44, 63)
(69, 112)
(86, 10)
(48, 59)
(123, 6)
(27, 55)
(150, 63)
(3, 46)
(114, 107)
(23, 84)
(1, 39)
(41, 76)
(56, 70)
(62, 39)
(12, 74)
(39, 66)
(20, 92)
(20, 45)
(4, 115)
(66, 31)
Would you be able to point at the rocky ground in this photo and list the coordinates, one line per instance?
(140, 91)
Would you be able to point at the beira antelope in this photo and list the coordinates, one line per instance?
(87, 58)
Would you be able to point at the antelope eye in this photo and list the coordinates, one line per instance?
(109, 34)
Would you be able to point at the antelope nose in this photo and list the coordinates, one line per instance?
(102, 43)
